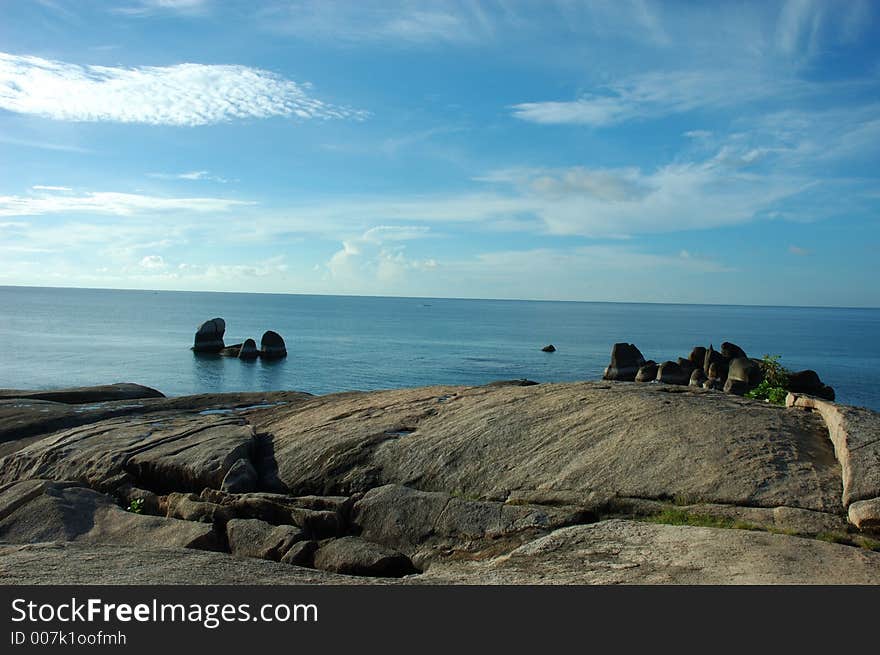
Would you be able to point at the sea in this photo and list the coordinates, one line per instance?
(55, 338)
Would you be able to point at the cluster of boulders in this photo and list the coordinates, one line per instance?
(729, 370)
(209, 339)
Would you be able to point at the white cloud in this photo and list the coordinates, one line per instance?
(108, 202)
(183, 94)
(46, 187)
(190, 175)
(660, 93)
(367, 259)
(149, 7)
(395, 22)
(152, 262)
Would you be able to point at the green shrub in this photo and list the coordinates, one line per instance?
(136, 506)
(774, 386)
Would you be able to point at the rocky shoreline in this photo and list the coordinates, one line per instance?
(512, 482)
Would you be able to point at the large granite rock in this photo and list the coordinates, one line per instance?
(356, 556)
(647, 372)
(422, 523)
(625, 362)
(456, 481)
(38, 510)
(81, 395)
(631, 552)
(808, 382)
(609, 552)
(209, 336)
(172, 453)
(484, 443)
(672, 373)
(255, 538)
(272, 346)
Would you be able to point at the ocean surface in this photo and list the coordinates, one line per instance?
(55, 338)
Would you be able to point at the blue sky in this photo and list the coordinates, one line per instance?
(622, 151)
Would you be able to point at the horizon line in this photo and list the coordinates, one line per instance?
(403, 297)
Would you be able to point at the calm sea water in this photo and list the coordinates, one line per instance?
(72, 337)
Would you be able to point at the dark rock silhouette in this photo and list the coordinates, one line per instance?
(625, 362)
(647, 372)
(549, 348)
(248, 350)
(209, 336)
(672, 373)
(272, 346)
(808, 382)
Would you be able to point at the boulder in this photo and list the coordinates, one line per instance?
(255, 538)
(698, 356)
(647, 372)
(634, 440)
(190, 507)
(356, 556)
(736, 387)
(715, 365)
(41, 510)
(421, 523)
(625, 362)
(317, 523)
(209, 336)
(181, 452)
(302, 553)
(698, 378)
(272, 346)
(249, 350)
(687, 366)
(549, 348)
(808, 382)
(672, 373)
(747, 371)
(731, 351)
(240, 478)
(865, 514)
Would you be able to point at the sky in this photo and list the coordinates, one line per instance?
(559, 150)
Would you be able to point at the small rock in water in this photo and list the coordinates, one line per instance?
(272, 346)
(248, 350)
(209, 336)
(549, 348)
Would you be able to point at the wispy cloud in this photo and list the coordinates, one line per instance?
(42, 145)
(141, 8)
(57, 200)
(371, 20)
(183, 94)
(190, 175)
(797, 250)
(660, 93)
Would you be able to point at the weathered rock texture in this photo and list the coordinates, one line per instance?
(855, 433)
(509, 482)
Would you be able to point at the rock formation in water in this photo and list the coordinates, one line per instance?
(209, 336)
(248, 350)
(730, 370)
(272, 346)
